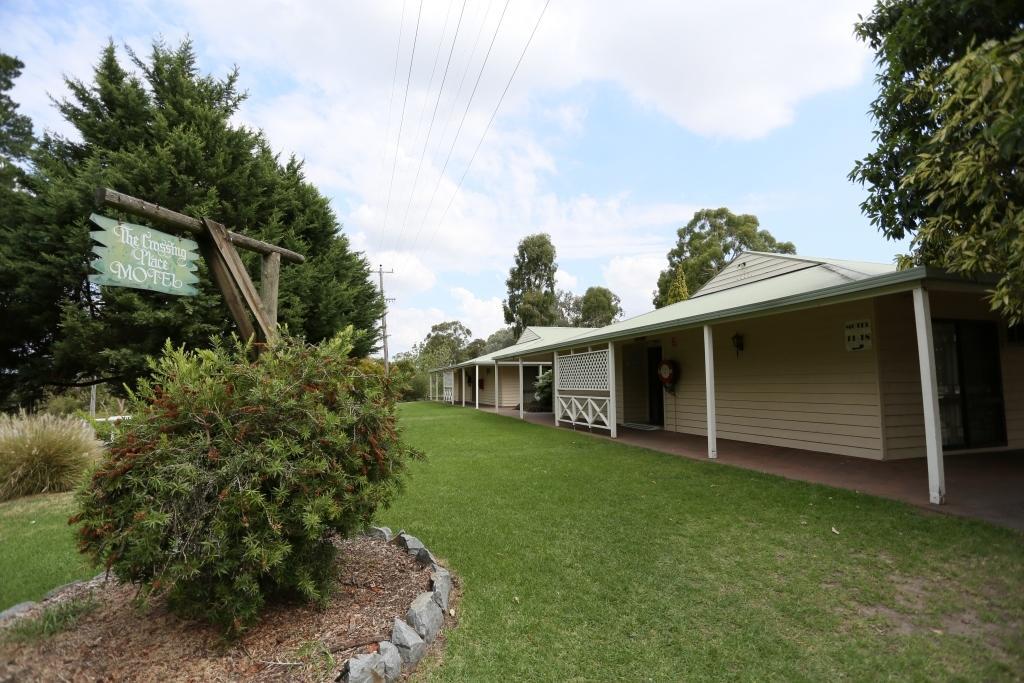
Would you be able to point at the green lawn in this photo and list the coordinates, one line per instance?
(584, 559)
(37, 548)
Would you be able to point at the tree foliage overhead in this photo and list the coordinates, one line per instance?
(16, 143)
(16, 138)
(707, 243)
(163, 134)
(950, 137)
(599, 306)
(531, 285)
(443, 346)
(568, 305)
(501, 339)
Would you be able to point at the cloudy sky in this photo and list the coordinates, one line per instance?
(622, 119)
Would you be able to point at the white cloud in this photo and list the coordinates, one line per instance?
(566, 280)
(320, 78)
(569, 118)
(730, 69)
(414, 277)
(482, 316)
(634, 278)
(733, 68)
(409, 325)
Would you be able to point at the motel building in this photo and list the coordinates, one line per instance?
(837, 359)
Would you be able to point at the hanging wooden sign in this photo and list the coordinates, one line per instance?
(142, 258)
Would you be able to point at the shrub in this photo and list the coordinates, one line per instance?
(543, 390)
(228, 484)
(413, 383)
(44, 453)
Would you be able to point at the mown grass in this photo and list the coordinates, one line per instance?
(52, 620)
(584, 559)
(37, 548)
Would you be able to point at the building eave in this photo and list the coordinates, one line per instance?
(872, 286)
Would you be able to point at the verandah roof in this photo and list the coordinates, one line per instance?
(531, 337)
(783, 281)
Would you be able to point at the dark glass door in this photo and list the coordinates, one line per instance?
(655, 394)
(969, 384)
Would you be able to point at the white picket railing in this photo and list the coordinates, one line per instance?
(585, 411)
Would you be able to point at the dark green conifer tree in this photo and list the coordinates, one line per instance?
(165, 134)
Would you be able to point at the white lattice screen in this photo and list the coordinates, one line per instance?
(583, 371)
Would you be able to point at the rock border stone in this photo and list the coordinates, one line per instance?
(411, 636)
(23, 608)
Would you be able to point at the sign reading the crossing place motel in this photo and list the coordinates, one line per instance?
(135, 256)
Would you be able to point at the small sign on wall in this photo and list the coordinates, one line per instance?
(858, 335)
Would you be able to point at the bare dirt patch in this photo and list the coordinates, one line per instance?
(119, 641)
(911, 615)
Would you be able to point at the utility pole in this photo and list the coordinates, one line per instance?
(384, 318)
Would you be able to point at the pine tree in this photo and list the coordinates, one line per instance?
(16, 141)
(677, 290)
(166, 135)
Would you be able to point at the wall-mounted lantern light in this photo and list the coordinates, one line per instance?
(737, 343)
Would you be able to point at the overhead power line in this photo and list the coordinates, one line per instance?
(433, 71)
(405, 101)
(430, 128)
(391, 104)
(493, 114)
(465, 113)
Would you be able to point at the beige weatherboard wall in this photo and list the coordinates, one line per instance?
(793, 385)
(829, 359)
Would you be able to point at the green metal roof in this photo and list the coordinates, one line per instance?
(530, 338)
(800, 280)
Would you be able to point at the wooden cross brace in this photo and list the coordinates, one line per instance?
(217, 245)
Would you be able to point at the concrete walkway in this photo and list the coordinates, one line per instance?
(984, 486)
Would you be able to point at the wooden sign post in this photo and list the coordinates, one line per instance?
(217, 245)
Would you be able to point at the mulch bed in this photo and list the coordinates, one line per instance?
(118, 641)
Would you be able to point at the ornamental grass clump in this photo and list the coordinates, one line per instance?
(44, 453)
(233, 478)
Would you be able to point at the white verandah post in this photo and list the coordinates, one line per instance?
(612, 417)
(554, 387)
(930, 396)
(522, 391)
(497, 387)
(462, 387)
(709, 384)
(476, 386)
